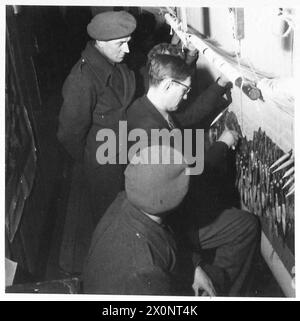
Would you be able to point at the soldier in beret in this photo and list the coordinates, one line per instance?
(133, 251)
(96, 93)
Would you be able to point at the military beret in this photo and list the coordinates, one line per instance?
(111, 25)
(160, 186)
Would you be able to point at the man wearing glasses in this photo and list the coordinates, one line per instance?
(233, 234)
(170, 80)
(205, 106)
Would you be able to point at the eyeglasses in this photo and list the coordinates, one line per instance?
(187, 88)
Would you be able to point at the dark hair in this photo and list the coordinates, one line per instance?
(164, 66)
(165, 49)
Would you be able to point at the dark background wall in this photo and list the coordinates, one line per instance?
(43, 42)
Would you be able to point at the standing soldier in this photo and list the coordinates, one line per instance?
(96, 93)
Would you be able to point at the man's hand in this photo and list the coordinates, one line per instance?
(229, 137)
(223, 81)
(203, 282)
(192, 50)
(175, 39)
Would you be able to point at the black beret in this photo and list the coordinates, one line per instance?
(111, 25)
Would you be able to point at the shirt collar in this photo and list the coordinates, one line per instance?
(155, 112)
(143, 223)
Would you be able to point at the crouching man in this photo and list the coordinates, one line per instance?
(132, 250)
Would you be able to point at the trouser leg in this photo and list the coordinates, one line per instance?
(235, 236)
(104, 182)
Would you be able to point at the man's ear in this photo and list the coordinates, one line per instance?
(99, 43)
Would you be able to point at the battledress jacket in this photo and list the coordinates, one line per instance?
(130, 254)
(95, 94)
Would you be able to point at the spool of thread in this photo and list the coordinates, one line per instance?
(248, 88)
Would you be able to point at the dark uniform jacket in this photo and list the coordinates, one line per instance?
(95, 93)
(142, 114)
(130, 254)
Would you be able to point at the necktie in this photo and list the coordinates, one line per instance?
(171, 122)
